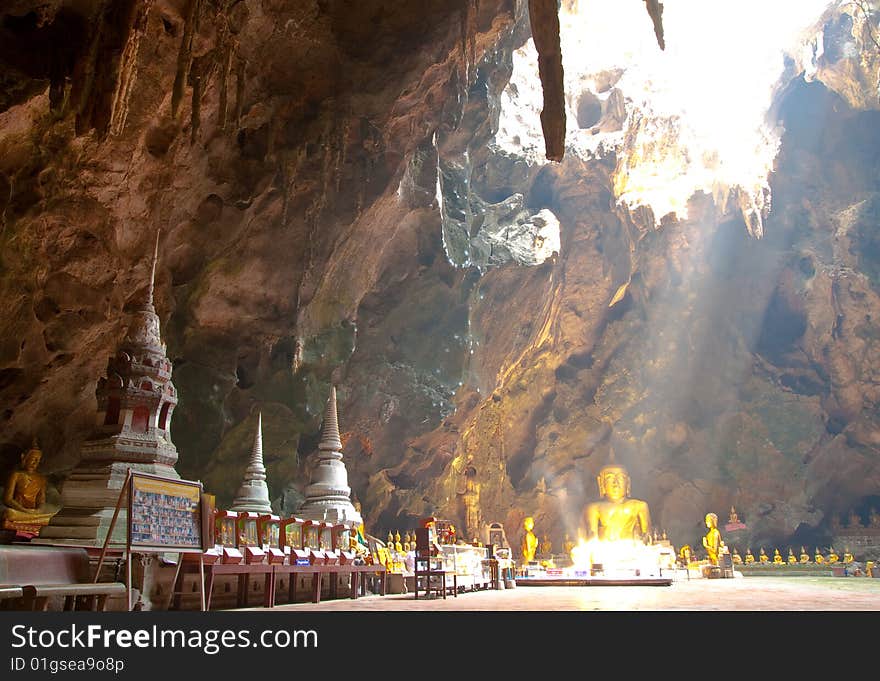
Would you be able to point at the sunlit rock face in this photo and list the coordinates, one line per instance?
(344, 199)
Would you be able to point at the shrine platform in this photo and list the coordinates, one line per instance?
(594, 581)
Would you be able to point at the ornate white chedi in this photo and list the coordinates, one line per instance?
(132, 431)
(328, 496)
(253, 494)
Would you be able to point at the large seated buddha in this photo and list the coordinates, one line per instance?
(616, 515)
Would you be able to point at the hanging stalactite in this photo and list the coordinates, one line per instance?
(184, 55)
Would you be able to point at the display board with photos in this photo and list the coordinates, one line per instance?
(165, 514)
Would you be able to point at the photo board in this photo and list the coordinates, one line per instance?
(165, 514)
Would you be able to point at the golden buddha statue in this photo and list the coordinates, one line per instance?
(684, 555)
(855, 520)
(777, 557)
(750, 559)
(546, 546)
(712, 540)
(25, 495)
(848, 557)
(804, 558)
(618, 516)
(732, 518)
(818, 557)
(471, 500)
(832, 556)
(736, 558)
(792, 559)
(763, 558)
(398, 545)
(567, 545)
(529, 541)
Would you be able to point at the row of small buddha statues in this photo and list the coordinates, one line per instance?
(855, 521)
(803, 558)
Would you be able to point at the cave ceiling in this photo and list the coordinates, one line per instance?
(332, 208)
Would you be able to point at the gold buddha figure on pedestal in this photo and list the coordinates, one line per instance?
(804, 558)
(529, 541)
(763, 558)
(792, 559)
(750, 559)
(616, 516)
(25, 495)
(777, 557)
(832, 556)
(712, 540)
(736, 558)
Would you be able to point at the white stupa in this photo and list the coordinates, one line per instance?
(253, 494)
(328, 496)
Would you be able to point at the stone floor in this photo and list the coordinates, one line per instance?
(740, 594)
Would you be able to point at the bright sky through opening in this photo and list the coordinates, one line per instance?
(702, 102)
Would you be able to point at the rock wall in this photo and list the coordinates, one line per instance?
(331, 209)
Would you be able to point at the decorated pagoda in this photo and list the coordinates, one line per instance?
(136, 399)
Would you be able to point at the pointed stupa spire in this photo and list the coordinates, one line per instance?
(153, 272)
(253, 494)
(330, 440)
(143, 331)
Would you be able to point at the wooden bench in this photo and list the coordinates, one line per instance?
(9, 596)
(48, 574)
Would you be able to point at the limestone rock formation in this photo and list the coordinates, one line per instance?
(334, 211)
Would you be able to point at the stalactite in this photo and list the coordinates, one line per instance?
(341, 149)
(240, 70)
(195, 114)
(274, 123)
(225, 69)
(655, 11)
(84, 77)
(290, 165)
(184, 55)
(544, 19)
(128, 68)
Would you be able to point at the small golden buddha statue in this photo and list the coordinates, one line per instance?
(763, 558)
(529, 541)
(848, 557)
(749, 559)
(398, 545)
(546, 546)
(736, 558)
(818, 557)
(804, 558)
(616, 516)
(777, 557)
(733, 518)
(712, 540)
(25, 495)
(684, 555)
(792, 559)
(832, 556)
(567, 545)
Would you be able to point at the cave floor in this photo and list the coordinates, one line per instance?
(739, 594)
